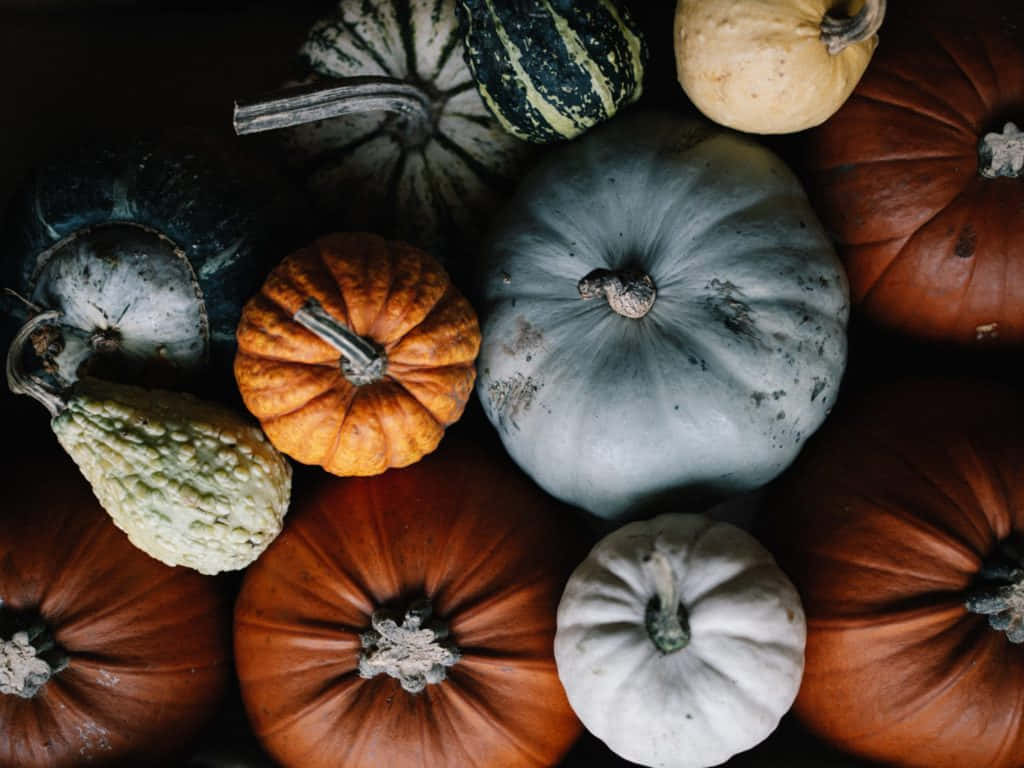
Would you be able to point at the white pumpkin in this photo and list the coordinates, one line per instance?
(722, 344)
(680, 642)
(772, 66)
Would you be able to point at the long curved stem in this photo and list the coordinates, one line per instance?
(362, 363)
(321, 101)
(837, 34)
(21, 383)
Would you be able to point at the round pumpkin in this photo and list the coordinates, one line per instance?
(106, 656)
(901, 526)
(408, 619)
(356, 354)
(916, 176)
(147, 252)
(391, 134)
(661, 310)
(773, 67)
(680, 642)
(550, 70)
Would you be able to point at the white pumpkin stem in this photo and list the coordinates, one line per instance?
(21, 383)
(29, 655)
(1002, 154)
(1000, 593)
(839, 33)
(335, 98)
(666, 619)
(630, 292)
(411, 647)
(361, 362)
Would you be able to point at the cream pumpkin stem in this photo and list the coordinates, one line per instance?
(411, 647)
(1001, 155)
(362, 362)
(29, 654)
(1000, 591)
(666, 619)
(630, 292)
(21, 383)
(335, 98)
(838, 33)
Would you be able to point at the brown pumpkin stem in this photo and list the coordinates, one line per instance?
(1001, 155)
(838, 33)
(362, 362)
(20, 383)
(999, 593)
(630, 292)
(666, 619)
(335, 98)
(411, 647)
(29, 654)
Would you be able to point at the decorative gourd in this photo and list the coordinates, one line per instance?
(441, 578)
(773, 67)
(901, 526)
(190, 482)
(414, 154)
(106, 656)
(660, 310)
(549, 70)
(356, 354)
(147, 253)
(680, 642)
(917, 176)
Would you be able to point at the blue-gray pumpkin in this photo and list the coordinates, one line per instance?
(551, 69)
(661, 311)
(147, 252)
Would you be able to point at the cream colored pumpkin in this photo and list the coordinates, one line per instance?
(680, 642)
(773, 66)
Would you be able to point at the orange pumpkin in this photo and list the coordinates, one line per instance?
(321, 613)
(356, 354)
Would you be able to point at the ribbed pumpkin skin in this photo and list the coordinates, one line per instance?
(931, 248)
(548, 71)
(461, 528)
(148, 644)
(389, 292)
(882, 524)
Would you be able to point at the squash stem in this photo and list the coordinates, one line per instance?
(1001, 155)
(411, 647)
(838, 33)
(630, 292)
(666, 619)
(361, 362)
(21, 383)
(29, 654)
(320, 101)
(999, 593)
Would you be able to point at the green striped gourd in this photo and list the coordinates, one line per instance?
(424, 163)
(551, 69)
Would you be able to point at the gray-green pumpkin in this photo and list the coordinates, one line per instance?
(551, 69)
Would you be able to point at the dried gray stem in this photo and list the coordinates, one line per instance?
(29, 656)
(1000, 592)
(837, 34)
(630, 292)
(361, 361)
(1001, 155)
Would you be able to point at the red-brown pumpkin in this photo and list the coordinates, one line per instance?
(466, 531)
(146, 646)
(897, 525)
(933, 247)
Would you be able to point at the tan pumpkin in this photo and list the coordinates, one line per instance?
(356, 354)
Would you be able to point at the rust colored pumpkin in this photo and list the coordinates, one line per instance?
(918, 174)
(901, 525)
(107, 657)
(455, 564)
(356, 354)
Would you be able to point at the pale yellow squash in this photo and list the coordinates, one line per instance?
(773, 66)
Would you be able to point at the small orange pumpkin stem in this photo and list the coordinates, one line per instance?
(362, 362)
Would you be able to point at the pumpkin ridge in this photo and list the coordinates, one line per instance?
(415, 281)
(449, 297)
(864, 95)
(331, 454)
(268, 421)
(287, 386)
(79, 550)
(331, 156)
(941, 45)
(323, 261)
(351, 583)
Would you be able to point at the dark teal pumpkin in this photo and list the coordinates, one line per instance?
(551, 69)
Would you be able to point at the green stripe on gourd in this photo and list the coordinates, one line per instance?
(550, 69)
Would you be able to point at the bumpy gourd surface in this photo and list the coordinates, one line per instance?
(190, 483)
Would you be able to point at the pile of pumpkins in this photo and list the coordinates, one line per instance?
(653, 316)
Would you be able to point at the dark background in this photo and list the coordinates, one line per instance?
(73, 70)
